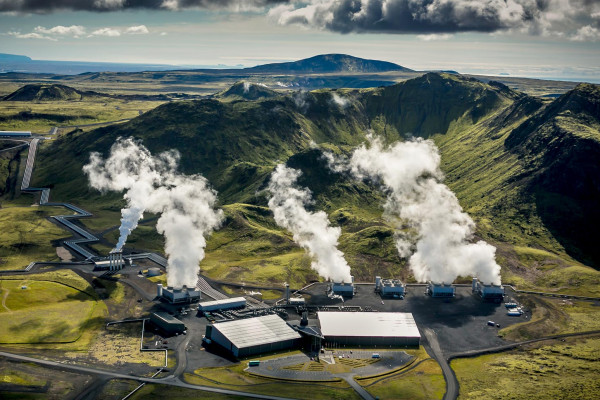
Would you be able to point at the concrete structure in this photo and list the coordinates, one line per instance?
(440, 289)
(250, 336)
(493, 293)
(389, 287)
(225, 304)
(342, 288)
(368, 329)
(167, 323)
(115, 260)
(15, 133)
(154, 271)
(296, 301)
(178, 296)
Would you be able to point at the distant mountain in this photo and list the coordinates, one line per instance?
(45, 92)
(329, 63)
(13, 58)
(247, 91)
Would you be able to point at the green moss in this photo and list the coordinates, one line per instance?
(548, 372)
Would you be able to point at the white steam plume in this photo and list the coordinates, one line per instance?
(132, 168)
(185, 202)
(419, 203)
(311, 230)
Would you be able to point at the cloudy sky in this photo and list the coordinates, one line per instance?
(537, 38)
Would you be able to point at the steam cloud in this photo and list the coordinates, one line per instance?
(118, 5)
(574, 19)
(152, 183)
(420, 205)
(311, 230)
(440, 16)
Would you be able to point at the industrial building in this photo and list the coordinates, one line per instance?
(342, 288)
(368, 329)
(15, 133)
(177, 296)
(114, 262)
(167, 323)
(250, 336)
(221, 305)
(389, 287)
(293, 301)
(440, 290)
(493, 293)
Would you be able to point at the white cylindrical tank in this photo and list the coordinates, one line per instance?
(159, 290)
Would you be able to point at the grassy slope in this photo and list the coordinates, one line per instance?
(28, 236)
(550, 371)
(41, 116)
(38, 312)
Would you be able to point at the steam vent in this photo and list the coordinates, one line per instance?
(440, 289)
(490, 292)
(177, 296)
(389, 287)
(342, 288)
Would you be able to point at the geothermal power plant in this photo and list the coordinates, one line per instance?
(331, 314)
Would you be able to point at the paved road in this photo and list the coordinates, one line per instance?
(166, 381)
(449, 376)
(24, 143)
(356, 386)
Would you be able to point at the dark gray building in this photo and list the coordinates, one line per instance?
(250, 336)
(167, 323)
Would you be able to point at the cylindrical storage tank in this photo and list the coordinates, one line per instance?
(159, 290)
(154, 271)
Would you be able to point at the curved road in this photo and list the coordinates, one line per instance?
(167, 381)
(438, 355)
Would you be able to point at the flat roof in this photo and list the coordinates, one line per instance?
(224, 301)
(168, 318)
(256, 331)
(368, 324)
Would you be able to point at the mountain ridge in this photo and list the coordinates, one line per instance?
(236, 145)
(329, 63)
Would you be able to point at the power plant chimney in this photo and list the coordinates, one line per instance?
(287, 293)
(159, 290)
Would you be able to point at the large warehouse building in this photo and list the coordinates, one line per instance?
(245, 337)
(369, 329)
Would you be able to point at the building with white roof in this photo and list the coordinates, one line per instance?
(245, 337)
(369, 329)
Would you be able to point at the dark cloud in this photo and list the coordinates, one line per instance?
(440, 16)
(46, 6)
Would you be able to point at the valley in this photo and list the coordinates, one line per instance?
(521, 157)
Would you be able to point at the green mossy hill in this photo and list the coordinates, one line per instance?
(427, 105)
(45, 92)
(246, 91)
(560, 149)
(503, 154)
(329, 63)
